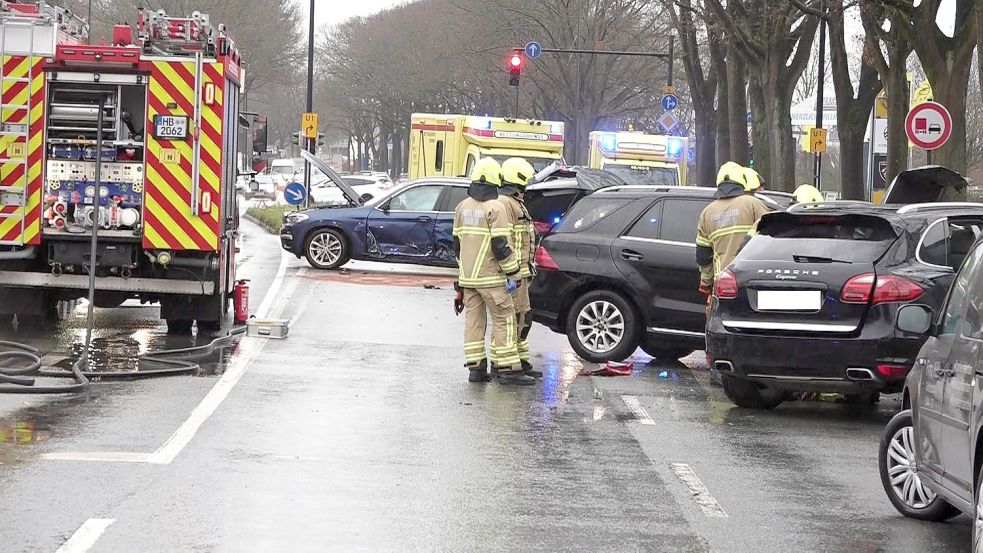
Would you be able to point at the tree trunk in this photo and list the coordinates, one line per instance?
(852, 162)
(396, 166)
(384, 152)
(723, 124)
(896, 89)
(778, 118)
(951, 93)
(737, 106)
(706, 138)
(761, 159)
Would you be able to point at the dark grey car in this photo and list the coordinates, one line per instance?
(931, 454)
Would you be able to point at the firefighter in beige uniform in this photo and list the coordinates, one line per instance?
(488, 273)
(725, 224)
(516, 174)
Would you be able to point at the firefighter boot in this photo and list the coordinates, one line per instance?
(478, 372)
(517, 378)
(529, 371)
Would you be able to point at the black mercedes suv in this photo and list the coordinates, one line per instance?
(619, 271)
(931, 453)
(810, 302)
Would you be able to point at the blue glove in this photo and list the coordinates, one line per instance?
(511, 285)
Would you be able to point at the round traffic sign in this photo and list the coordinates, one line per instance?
(295, 193)
(928, 125)
(669, 102)
(534, 49)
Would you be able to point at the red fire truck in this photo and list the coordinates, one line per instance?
(165, 207)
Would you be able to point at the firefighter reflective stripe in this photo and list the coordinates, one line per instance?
(506, 355)
(736, 229)
(22, 88)
(703, 241)
(474, 352)
(169, 221)
(482, 252)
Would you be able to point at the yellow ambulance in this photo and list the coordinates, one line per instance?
(449, 145)
(640, 158)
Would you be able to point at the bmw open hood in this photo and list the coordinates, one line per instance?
(924, 185)
(335, 177)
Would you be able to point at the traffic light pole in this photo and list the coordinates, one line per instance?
(310, 101)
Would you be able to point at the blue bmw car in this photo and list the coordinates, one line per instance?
(411, 224)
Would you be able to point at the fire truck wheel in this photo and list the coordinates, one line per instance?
(327, 249)
(179, 326)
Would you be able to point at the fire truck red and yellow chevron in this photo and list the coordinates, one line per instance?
(168, 219)
(21, 154)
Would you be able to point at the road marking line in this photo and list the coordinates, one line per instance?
(641, 415)
(86, 536)
(699, 492)
(249, 348)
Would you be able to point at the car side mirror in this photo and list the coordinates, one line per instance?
(915, 319)
(366, 197)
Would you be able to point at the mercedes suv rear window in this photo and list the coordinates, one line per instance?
(821, 238)
(589, 211)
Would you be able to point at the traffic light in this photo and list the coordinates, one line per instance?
(515, 62)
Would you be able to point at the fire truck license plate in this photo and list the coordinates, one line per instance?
(170, 127)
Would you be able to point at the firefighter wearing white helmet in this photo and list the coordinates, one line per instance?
(488, 274)
(726, 222)
(807, 194)
(516, 175)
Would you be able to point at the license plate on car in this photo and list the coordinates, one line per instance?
(789, 300)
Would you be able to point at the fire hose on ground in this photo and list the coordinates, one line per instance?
(21, 365)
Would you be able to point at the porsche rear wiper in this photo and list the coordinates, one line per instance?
(816, 259)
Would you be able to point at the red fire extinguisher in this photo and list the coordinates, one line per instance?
(240, 301)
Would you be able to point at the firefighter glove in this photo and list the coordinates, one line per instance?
(704, 289)
(511, 285)
(459, 302)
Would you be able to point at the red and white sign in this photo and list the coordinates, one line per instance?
(928, 125)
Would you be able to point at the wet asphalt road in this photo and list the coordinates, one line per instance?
(360, 433)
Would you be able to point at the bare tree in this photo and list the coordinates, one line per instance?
(775, 40)
(947, 61)
(888, 50)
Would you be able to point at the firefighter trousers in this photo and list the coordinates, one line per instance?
(478, 302)
(523, 317)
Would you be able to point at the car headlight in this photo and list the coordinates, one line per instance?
(294, 218)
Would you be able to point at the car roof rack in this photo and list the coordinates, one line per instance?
(832, 204)
(911, 208)
(655, 188)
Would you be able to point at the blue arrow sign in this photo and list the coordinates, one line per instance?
(295, 193)
(534, 50)
(669, 102)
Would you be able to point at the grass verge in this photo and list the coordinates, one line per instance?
(269, 217)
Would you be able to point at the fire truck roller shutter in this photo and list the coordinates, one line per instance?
(169, 221)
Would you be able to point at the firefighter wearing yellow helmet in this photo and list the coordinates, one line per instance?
(753, 182)
(516, 175)
(807, 194)
(726, 222)
(488, 273)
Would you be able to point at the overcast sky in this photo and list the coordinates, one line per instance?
(336, 11)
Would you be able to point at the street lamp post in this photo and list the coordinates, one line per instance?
(818, 169)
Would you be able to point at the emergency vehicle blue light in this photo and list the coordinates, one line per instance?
(556, 220)
(675, 147)
(609, 142)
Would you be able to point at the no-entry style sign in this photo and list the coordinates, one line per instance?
(928, 125)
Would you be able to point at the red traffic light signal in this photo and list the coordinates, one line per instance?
(515, 63)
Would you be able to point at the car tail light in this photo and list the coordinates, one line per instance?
(892, 372)
(884, 289)
(542, 227)
(545, 261)
(725, 287)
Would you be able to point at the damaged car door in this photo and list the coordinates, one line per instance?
(402, 227)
